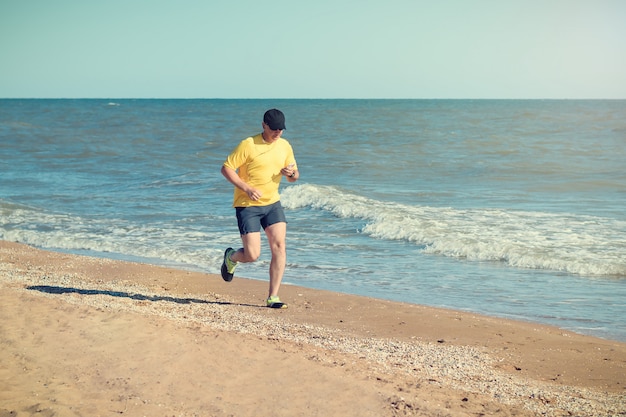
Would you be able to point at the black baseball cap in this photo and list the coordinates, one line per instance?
(275, 119)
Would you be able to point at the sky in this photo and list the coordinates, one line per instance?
(512, 49)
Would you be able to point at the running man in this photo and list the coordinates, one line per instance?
(255, 168)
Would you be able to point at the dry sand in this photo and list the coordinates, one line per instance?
(82, 336)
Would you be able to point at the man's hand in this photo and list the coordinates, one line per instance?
(289, 172)
(253, 193)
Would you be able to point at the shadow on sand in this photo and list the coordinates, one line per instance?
(140, 297)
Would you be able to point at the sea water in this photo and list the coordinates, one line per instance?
(512, 208)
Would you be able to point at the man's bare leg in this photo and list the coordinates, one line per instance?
(251, 248)
(277, 236)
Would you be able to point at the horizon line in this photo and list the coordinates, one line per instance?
(300, 98)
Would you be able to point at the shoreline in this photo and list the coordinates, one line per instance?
(405, 359)
(159, 263)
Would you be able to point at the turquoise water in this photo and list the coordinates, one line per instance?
(513, 208)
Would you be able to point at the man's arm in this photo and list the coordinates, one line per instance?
(232, 177)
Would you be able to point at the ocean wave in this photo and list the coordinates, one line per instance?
(161, 243)
(577, 244)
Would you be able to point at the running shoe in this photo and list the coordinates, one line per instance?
(274, 302)
(228, 266)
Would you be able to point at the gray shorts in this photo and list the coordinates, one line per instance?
(251, 219)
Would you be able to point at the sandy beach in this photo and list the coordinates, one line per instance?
(83, 336)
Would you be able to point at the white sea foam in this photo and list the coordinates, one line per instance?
(162, 243)
(576, 244)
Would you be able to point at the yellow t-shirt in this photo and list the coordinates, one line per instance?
(259, 164)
